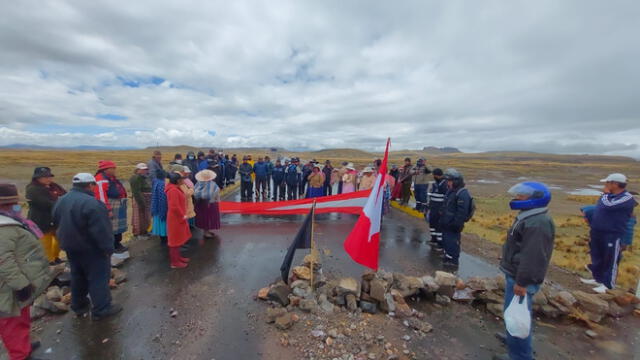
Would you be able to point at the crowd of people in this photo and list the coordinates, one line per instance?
(88, 223)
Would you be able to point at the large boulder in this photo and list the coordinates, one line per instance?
(407, 285)
(348, 285)
(591, 303)
(279, 293)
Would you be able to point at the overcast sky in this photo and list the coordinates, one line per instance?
(552, 76)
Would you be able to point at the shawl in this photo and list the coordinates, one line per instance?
(207, 190)
(159, 205)
(25, 223)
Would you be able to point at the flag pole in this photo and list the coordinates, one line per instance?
(313, 246)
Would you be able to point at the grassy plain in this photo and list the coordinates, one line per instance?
(488, 175)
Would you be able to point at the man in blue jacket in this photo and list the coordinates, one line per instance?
(261, 170)
(279, 187)
(84, 231)
(267, 161)
(246, 181)
(292, 178)
(609, 225)
(435, 201)
(456, 210)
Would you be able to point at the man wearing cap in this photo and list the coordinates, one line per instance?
(246, 179)
(112, 193)
(609, 223)
(41, 194)
(435, 200)
(24, 274)
(155, 164)
(141, 205)
(421, 183)
(85, 233)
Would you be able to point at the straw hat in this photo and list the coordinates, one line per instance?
(206, 175)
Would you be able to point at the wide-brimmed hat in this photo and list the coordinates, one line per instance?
(142, 166)
(41, 172)
(106, 164)
(8, 194)
(367, 169)
(206, 175)
(350, 166)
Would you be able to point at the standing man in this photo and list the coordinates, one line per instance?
(267, 161)
(85, 234)
(435, 200)
(279, 187)
(609, 224)
(155, 164)
(260, 169)
(526, 255)
(327, 171)
(458, 208)
(405, 178)
(421, 183)
(24, 274)
(292, 178)
(246, 180)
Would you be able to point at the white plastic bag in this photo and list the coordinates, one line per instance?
(517, 317)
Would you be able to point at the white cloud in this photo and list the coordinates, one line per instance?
(544, 76)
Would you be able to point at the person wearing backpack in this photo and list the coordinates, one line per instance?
(458, 208)
(526, 255)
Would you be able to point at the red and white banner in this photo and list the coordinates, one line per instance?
(350, 203)
(363, 242)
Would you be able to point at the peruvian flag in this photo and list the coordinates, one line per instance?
(363, 242)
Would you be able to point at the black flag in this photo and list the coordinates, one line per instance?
(301, 241)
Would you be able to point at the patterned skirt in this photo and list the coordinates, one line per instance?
(141, 218)
(313, 192)
(119, 210)
(207, 215)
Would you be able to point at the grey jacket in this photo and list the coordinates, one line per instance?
(527, 251)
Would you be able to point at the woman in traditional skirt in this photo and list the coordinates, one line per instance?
(207, 195)
(316, 183)
(159, 207)
(112, 193)
(141, 204)
(177, 226)
(349, 179)
(368, 179)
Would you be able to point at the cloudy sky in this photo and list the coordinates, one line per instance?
(552, 76)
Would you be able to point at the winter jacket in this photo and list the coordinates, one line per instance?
(270, 167)
(421, 176)
(154, 167)
(437, 192)
(83, 223)
(292, 175)
(108, 188)
(177, 226)
(456, 208)
(246, 171)
(612, 213)
(260, 169)
(41, 200)
(327, 170)
(192, 163)
(627, 239)
(139, 185)
(527, 252)
(22, 263)
(278, 175)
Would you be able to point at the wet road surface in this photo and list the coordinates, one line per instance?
(218, 317)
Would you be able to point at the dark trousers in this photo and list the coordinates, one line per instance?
(303, 185)
(434, 227)
(90, 274)
(246, 190)
(605, 251)
(261, 185)
(292, 191)
(268, 183)
(421, 196)
(280, 189)
(326, 189)
(406, 192)
(451, 244)
(340, 187)
(117, 240)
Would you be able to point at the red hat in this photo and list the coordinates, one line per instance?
(106, 164)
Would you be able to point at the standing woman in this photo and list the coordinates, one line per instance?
(42, 194)
(159, 207)
(188, 189)
(207, 195)
(316, 183)
(349, 179)
(112, 193)
(177, 226)
(141, 205)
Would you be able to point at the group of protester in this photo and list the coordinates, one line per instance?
(88, 223)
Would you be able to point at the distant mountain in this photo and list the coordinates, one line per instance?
(79, 147)
(442, 150)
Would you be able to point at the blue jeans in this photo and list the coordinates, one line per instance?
(519, 349)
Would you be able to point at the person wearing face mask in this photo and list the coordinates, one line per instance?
(526, 255)
(24, 274)
(86, 235)
(192, 163)
(42, 194)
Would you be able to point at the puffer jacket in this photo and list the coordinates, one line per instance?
(527, 252)
(22, 262)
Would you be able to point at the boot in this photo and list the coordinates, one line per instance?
(174, 258)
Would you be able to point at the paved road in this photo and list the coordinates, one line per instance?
(217, 315)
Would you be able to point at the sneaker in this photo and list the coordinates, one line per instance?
(589, 281)
(116, 261)
(121, 255)
(113, 310)
(600, 289)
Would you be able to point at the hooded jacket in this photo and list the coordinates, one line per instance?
(612, 213)
(455, 209)
(527, 252)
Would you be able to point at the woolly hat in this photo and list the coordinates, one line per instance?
(8, 194)
(106, 164)
(41, 172)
